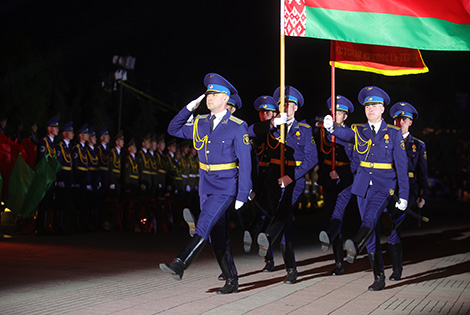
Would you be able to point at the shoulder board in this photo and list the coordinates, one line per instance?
(419, 140)
(236, 120)
(393, 127)
(358, 125)
(202, 116)
(304, 125)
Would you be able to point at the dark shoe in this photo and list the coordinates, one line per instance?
(356, 245)
(339, 270)
(247, 240)
(396, 254)
(221, 277)
(176, 268)
(269, 267)
(190, 220)
(351, 250)
(231, 286)
(291, 276)
(325, 241)
(379, 284)
(263, 244)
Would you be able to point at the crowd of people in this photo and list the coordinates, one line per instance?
(116, 183)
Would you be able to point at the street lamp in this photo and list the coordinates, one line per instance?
(123, 63)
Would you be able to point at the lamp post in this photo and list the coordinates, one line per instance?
(123, 63)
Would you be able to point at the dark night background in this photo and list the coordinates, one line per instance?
(55, 56)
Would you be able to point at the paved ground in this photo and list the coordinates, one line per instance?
(117, 273)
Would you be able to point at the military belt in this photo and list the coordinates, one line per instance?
(337, 163)
(92, 168)
(147, 172)
(162, 171)
(289, 163)
(411, 174)
(104, 168)
(218, 167)
(82, 169)
(116, 171)
(66, 168)
(382, 166)
(134, 176)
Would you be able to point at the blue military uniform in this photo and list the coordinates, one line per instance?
(417, 173)
(300, 157)
(379, 163)
(336, 192)
(225, 174)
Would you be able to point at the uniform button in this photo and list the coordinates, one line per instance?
(207, 151)
(223, 141)
(373, 144)
(370, 173)
(372, 154)
(209, 141)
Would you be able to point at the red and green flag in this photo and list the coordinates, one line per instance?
(418, 24)
(385, 60)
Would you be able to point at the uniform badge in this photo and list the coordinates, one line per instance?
(313, 140)
(42, 149)
(391, 192)
(414, 147)
(402, 144)
(386, 137)
(425, 155)
(246, 139)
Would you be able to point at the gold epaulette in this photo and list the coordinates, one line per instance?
(236, 120)
(393, 127)
(304, 125)
(358, 125)
(202, 116)
(419, 140)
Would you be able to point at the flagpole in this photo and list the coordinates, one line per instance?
(333, 108)
(282, 87)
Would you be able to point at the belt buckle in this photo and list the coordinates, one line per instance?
(371, 164)
(208, 167)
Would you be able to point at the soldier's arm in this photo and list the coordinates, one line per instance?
(311, 155)
(401, 165)
(243, 151)
(179, 127)
(422, 171)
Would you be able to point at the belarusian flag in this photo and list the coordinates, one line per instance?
(420, 24)
(385, 60)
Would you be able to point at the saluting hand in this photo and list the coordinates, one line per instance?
(402, 204)
(195, 103)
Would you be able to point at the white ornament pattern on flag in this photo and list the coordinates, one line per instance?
(295, 18)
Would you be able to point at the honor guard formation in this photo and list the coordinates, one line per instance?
(210, 168)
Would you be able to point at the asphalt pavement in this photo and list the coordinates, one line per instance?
(117, 273)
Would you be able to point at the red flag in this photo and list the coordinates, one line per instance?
(386, 60)
(31, 152)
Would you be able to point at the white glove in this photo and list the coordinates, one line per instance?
(61, 184)
(142, 187)
(238, 204)
(88, 187)
(188, 188)
(328, 123)
(282, 119)
(99, 185)
(112, 186)
(252, 195)
(195, 103)
(401, 204)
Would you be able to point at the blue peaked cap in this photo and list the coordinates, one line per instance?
(292, 95)
(403, 109)
(266, 102)
(216, 83)
(373, 94)
(235, 101)
(342, 103)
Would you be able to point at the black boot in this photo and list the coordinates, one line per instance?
(396, 253)
(185, 257)
(327, 237)
(289, 260)
(269, 260)
(355, 246)
(247, 240)
(230, 273)
(338, 252)
(376, 263)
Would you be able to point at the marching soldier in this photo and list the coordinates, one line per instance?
(379, 164)
(162, 166)
(221, 140)
(145, 170)
(267, 108)
(404, 114)
(336, 182)
(64, 180)
(103, 172)
(47, 149)
(81, 180)
(300, 158)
